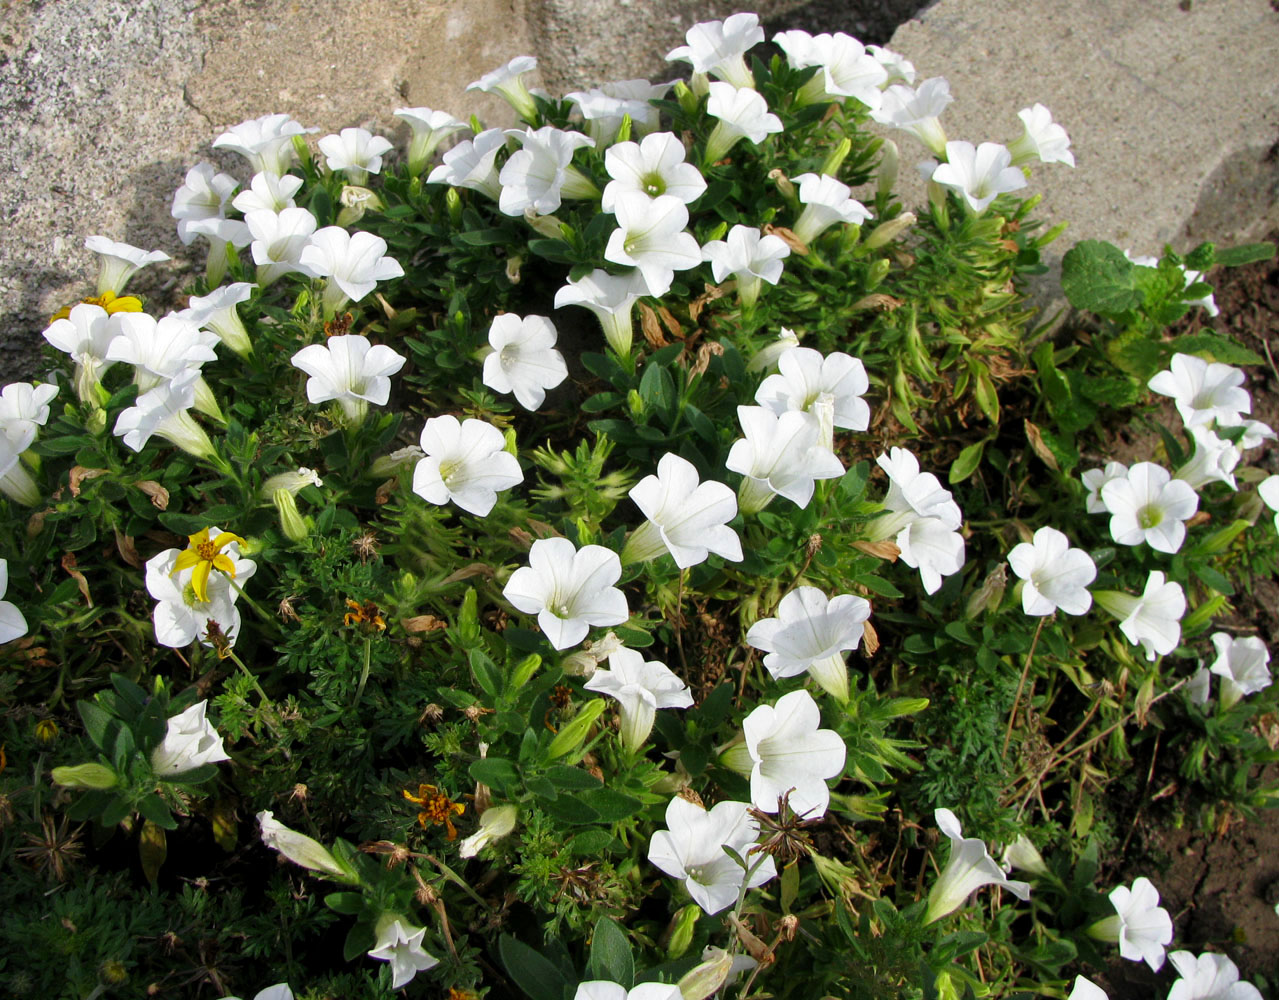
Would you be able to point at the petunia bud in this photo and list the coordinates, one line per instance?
(890, 230)
(687, 99)
(292, 523)
(496, 823)
(709, 976)
(888, 164)
(682, 935)
(301, 849)
(94, 776)
(830, 166)
(569, 739)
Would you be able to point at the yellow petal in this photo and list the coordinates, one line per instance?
(186, 559)
(200, 581)
(223, 562)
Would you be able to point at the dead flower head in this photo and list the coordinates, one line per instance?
(437, 808)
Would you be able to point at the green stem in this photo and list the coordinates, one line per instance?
(364, 673)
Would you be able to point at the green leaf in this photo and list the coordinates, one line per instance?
(569, 809)
(563, 776)
(656, 388)
(156, 810)
(1096, 276)
(531, 970)
(590, 842)
(966, 464)
(347, 903)
(611, 957)
(495, 772)
(611, 806)
(96, 723)
(1247, 254)
(486, 673)
(1216, 348)
(878, 585)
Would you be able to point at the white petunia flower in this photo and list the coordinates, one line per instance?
(1148, 505)
(932, 546)
(742, 113)
(1086, 989)
(768, 356)
(203, 195)
(686, 518)
(1254, 434)
(496, 822)
(23, 408)
(917, 111)
(429, 128)
(653, 167)
(266, 142)
(1140, 926)
(1153, 620)
(847, 68)
(569, 589)
(749, 257)
(1056, 576)
(180, 617)
(15, 481)
(351, 370)
(12, 623)
(826, 202)
(268, 193)
(779, 455)
(356, 151)
(1095, 479)
(190, 741)
(471, 164)
(640, 687)
(650, 235)
(899, 68)
(465, 462)
(810, 633)
(913, 494)
(969, 867)
(400, 944)
(352, 263)
(604, 107)
(1268, 490)
(1243, 666)
(84, 336)
(1043, 139)
(278, 241)
(610, 297)
(803, 375)
(163, 411)
(1214, 460)
(508, 82)
(542, 172)
(978, 174)
(117, 262)
(602, 989)
(692, 849)
(216, 313)
(788, 756)
(524, 360)
(161, 349)
(1208, 977)
(280, 991)
(719, 48)
(1203, 391)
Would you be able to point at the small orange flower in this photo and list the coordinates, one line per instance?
(437, 808)
(366, 614)
(109, 301)
(206, 555)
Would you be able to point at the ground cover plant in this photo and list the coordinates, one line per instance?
(626, 555)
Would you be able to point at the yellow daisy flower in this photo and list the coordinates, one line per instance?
(109, 301)
(206, 555)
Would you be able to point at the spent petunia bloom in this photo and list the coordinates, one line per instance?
(23, 408)
(496, 822)
(12, 623)
(164, 411)
(356, 151)
(429, 129)
(351, 263)
(465, 462)
(1055, 576)
(400, 944)
(266, 142)
(1153, 620)
(846, 68)
(748, 256)
(301, 849)
(1140, 926)
(969, 867)
(610, 297)
(651, 237)
(472, 164)
(779, 455)
(1214, 460)
(523, 360)
(1148, 505)
(810, 633)
(766, 358)
(826, 202)
(181, 615)
(541, 174)
(217, 313)
(278, 241)
(788, 756)
(804, 374)
(742, 113)
(691, 849)
(190, 741)
(1203, 391)
(117, 262)
(640, 688)
(604, 107)
(569, 589)
(351, 370)
(687, 518)
(1243, 666)
(1208, 977)
(1095, 479)
(84, 335)
(978, 174)
(654, 166)
(917, 111)
(718, 48)
(268, 193)
(1043, 139)
(508, 82)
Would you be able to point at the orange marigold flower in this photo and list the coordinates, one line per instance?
(437, 808)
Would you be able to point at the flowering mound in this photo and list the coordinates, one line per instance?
(618, 549)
